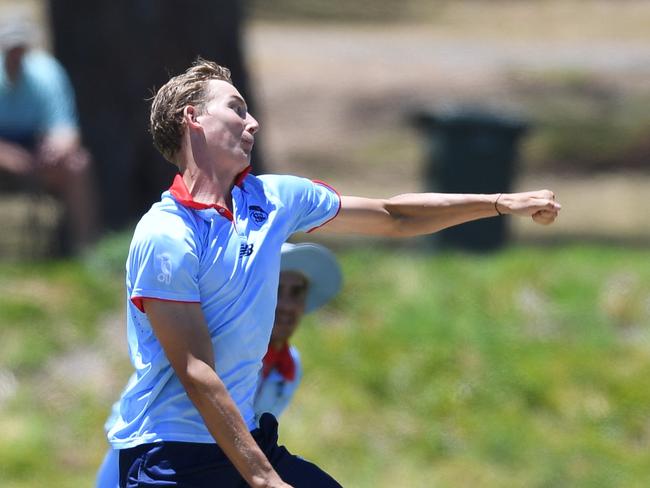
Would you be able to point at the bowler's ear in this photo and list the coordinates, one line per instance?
(189, 116)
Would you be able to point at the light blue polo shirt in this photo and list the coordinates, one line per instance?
(274, 394)
(230, 264)
(40, 100)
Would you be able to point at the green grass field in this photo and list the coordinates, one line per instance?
(525, 368)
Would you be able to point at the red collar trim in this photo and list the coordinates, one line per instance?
(182, 195)
(239, 181)
(180, 192)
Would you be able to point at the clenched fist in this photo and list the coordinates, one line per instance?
(540, 205)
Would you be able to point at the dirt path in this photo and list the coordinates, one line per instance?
(324, 87)
(332, 95)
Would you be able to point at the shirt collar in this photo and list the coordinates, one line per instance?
(239, 181)
(182, 195)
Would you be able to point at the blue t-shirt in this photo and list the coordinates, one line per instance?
(229, 263)
(41, 99)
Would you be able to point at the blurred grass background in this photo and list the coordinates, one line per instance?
(525, 368)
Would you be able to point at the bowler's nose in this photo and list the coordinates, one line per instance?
(252, 125)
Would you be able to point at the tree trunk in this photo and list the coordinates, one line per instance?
(117, 52)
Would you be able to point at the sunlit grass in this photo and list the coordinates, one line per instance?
(506, 370)
(522, 368)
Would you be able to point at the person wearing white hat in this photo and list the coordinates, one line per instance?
(40, 144)
(310, 276)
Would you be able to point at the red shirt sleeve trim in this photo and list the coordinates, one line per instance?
(319, 182)
(137, 301)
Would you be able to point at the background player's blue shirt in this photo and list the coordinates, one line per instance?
(275, 392)
(41, 99)
(232, 268)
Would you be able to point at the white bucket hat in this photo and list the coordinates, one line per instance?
(319, 265)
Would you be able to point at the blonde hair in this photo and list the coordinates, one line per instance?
(166, 121)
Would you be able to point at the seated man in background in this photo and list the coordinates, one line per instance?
(40, 145)
(310, 277)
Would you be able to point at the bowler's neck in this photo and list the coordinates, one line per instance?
(209, 189)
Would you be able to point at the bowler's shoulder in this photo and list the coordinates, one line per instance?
(167, 218)
(280, 184)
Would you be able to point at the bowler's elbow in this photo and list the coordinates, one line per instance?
(197, 377)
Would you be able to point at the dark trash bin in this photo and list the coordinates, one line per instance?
(471, 151)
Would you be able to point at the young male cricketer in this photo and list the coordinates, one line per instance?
(202, 278)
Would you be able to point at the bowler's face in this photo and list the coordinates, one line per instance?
(228, 128)
(292, 292)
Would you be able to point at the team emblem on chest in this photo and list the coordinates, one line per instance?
(258, 214)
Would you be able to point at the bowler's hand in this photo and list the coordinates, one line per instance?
(540, 205)
(544, 217)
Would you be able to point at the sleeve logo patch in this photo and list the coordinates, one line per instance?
(165, 262)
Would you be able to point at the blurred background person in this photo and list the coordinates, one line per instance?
(125, 55)
(40, 146)
(310, 277)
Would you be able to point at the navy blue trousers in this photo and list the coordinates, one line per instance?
(193, 465)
